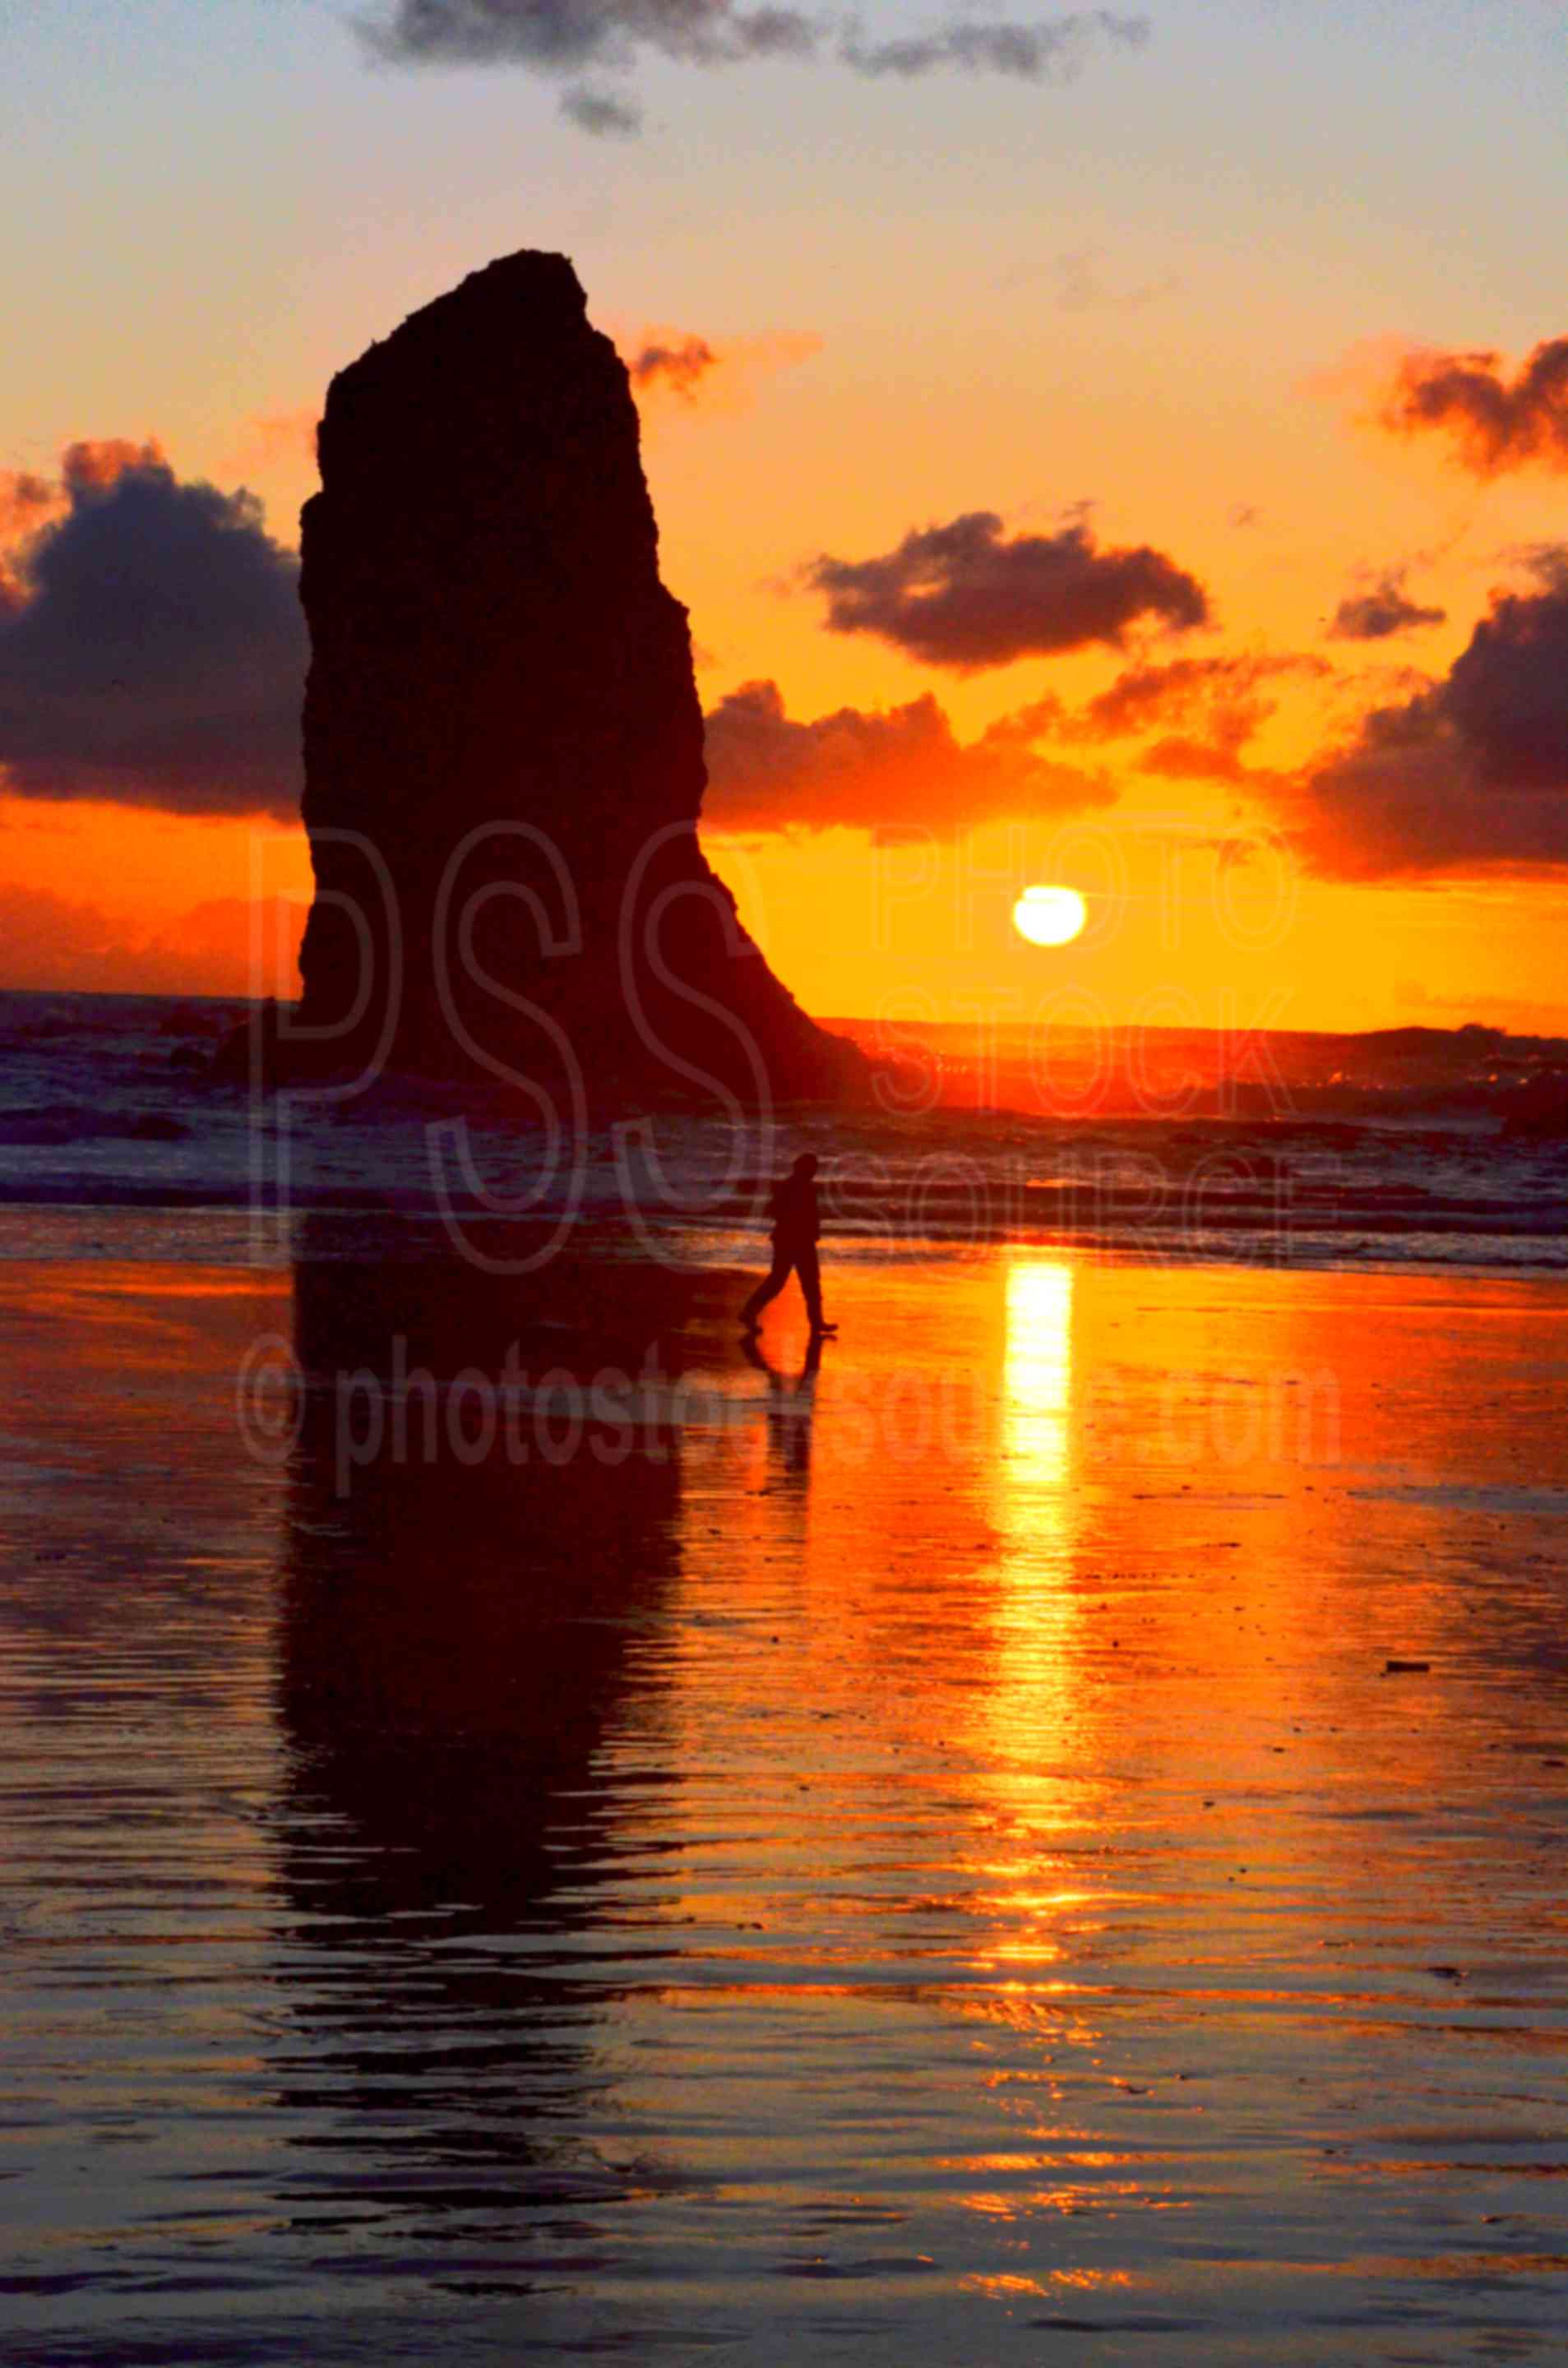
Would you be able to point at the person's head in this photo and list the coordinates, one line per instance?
(806, 1164)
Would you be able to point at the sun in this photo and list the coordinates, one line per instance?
(1049, 917)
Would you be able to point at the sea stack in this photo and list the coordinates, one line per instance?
(504, 765)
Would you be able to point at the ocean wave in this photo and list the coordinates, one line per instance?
(61, 1123)
(95, 1113)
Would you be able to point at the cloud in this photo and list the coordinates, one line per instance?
(1496, 424)
(1218, 704)
(1507, 692)
(1055, 50)
(565, 36)
(874, 769)
(1546, 563)
(25, 502)
(723, 373)
(279, 435)
(92, 464)
(1186, 690)
(51, 941)
(1080, 288)
(681, 364)
(157, 653)
(1387, 608)
(965, 595)
(602, 113)
(572, 36)
(29, 501)
(1468, 770)
(54, 941)
(1181, 757)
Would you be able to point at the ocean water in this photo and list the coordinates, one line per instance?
(1040, 1836)
(528, 1828)
(104, 1110)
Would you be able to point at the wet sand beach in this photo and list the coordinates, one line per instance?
(1040, 1838)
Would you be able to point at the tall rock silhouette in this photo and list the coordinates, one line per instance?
(503, 764)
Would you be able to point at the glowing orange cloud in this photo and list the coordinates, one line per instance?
(92, 464)
(27, 501)
(278, 437)
(225, 945)
(676, 362)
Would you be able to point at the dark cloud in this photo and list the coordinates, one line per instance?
(681, 364)
(29, 501)
(158, 651)
(965, 595)
(876, 769)
(1055, 50)
(565, 36)
(602, 113)
(1472, 770)
(570, 37)
(1496, 424)
(1546, 563)
(1506, 694)
(1387, 608)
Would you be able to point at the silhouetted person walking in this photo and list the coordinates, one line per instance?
(797, 1222)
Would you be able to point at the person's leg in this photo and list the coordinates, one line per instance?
(772, 1283)
(810, 1272)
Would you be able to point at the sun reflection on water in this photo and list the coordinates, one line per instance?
(1028, 1716)
(1037, 1406)
(1036, 1511)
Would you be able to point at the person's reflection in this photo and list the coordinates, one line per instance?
(458, 1633)
(791, 1400)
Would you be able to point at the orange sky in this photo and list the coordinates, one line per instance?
(1133, 293)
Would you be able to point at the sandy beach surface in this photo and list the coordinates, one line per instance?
(525, 1831)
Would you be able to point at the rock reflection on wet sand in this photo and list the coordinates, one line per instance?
(922, 1858)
